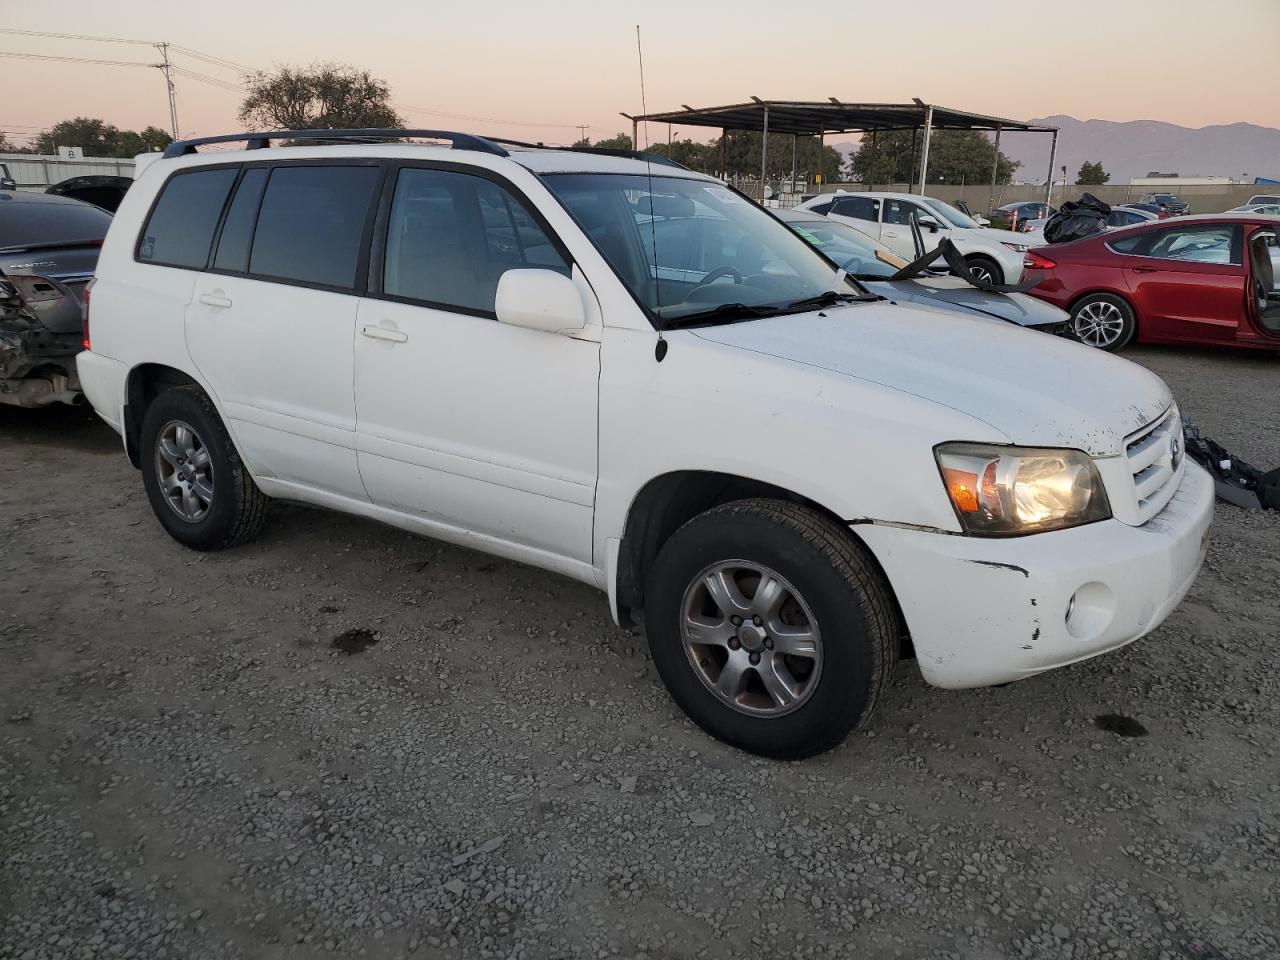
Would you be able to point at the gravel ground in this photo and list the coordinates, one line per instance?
(344, 740)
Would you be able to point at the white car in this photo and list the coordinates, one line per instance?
(633, 376)
(992, 255)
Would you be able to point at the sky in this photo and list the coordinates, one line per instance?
(536, 70)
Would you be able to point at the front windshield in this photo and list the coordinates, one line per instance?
(951, 214)
(851, 249)
(689, 248)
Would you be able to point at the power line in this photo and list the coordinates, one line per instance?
(71, 36)
(49, 56)
(475, 119)
(215, 61)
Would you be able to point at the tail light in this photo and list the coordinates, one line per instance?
(84, 311)
(1037, 261)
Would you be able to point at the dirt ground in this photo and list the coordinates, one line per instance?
(343, 740)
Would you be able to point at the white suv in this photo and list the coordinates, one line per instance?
(629, 374)
(992, 255)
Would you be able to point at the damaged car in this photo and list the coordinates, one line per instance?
(49, 247)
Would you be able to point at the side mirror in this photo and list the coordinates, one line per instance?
(929, 224)
(540, 300)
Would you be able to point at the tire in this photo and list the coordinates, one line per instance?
(830, 586)
(979, 264)
(206, 498)
(1103, 320)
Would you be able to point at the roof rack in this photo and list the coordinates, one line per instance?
(601, 151)
(261, 141)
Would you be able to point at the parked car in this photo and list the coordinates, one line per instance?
(873, 265)
(1271, 208)
(102, 191)
(1263, 198)
(787, 475)
(6, 178)
(1204, 279)
(1160, 212)
(994, 255)
(1126, 216)
(1176, 206)
(48, 249)
(1014, 216)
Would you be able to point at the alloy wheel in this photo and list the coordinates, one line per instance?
(751, 638)
(185, 471)
(1099, 324)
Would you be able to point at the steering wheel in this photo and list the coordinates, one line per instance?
(716, 274)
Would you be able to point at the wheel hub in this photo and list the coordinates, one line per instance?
(752, 638)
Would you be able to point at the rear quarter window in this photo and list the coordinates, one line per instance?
(179, 230)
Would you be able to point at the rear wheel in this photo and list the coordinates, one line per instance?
(771, 627)
(984, 269)
(199, 489)
(1102, 320)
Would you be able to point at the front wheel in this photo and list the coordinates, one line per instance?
(1102, 320)
(984, 269)
(771, 627)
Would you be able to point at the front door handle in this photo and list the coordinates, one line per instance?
(1146, 269)
(383, 333)
(213, 300)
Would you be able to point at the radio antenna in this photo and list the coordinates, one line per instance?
(660, 350)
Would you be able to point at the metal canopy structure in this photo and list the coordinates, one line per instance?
(817, 118)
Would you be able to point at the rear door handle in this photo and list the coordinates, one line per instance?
(1146, 269)
(213, 300)
(383, 333)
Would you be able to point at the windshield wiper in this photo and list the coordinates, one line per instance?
(829, 298)
(726, 311)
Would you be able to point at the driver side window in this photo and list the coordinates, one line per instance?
(901, 211)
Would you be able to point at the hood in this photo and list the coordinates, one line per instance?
(1000, 236)
(952, 293)
(1035, 389)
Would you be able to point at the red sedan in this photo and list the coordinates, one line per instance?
(1206, 279)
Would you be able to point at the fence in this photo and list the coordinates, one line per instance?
(36, 171)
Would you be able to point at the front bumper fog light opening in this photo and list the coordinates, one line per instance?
(1090, 611)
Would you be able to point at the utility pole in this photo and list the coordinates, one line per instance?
(163, 67)
(582, 129)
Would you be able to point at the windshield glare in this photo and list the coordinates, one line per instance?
(852, 250)
(685, 247)
(951, 214)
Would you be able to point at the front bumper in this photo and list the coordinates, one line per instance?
(987, 611)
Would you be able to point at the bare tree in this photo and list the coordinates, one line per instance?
(319, 97)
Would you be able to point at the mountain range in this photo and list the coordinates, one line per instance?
(1134, 148)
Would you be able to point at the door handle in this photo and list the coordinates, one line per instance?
(383, 333)
(1146, 269)
(213, 300)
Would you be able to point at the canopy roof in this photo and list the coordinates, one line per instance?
(811, 118)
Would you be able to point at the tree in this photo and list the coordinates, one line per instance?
(1092, 174)
(8, 146)
(319, 97)
(617, 142)
(955, 156)
(100, 139)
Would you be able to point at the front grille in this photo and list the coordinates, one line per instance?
(1155, 454)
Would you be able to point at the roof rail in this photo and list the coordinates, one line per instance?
(601, 151)
(259, 141)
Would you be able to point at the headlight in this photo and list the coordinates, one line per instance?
(1006, 491)
(1015, 247)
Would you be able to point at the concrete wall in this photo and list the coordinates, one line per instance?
(1210, 198)
(36, 171)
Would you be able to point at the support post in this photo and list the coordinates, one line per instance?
(724, 153)
(924, 147)
(794, 140)
(1053, 155)
(911, 179)
(764, 153)
(635, 134)
(995, 171)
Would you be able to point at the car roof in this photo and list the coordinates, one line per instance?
(22, 196)
(538, 161)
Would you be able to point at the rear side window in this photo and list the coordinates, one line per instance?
(451, 236)
(311, 224)
(180, 229)
(237, 229)
(860, 208)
